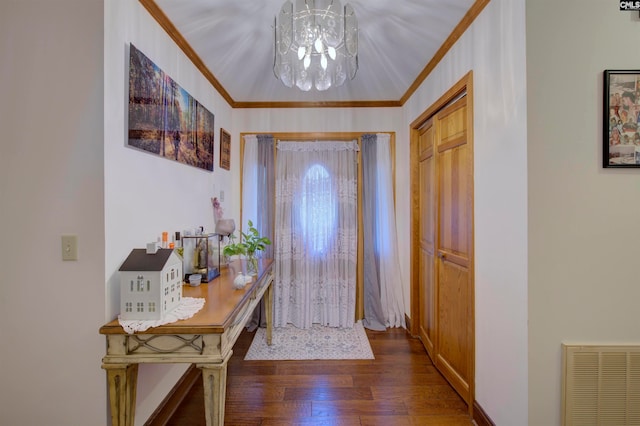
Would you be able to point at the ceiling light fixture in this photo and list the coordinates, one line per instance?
(316, 44)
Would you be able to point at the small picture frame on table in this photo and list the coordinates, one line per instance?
(225, 149)
(621, 112)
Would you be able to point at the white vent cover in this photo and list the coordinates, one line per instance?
(600, 385)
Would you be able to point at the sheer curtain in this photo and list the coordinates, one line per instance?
(258, 188)
(249, 182)
(383, 294)
(258, 192)
(316, 234)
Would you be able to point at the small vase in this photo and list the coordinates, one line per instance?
(252, 264)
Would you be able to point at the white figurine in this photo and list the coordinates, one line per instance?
(239, 281)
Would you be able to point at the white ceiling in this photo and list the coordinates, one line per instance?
(234, 40)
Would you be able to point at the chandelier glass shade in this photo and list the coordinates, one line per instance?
(316, 44)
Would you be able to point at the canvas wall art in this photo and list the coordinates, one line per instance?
(164, 119)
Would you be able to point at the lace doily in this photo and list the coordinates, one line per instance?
(188, 307)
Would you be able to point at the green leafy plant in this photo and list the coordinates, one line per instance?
(234, 249)
(251, 242)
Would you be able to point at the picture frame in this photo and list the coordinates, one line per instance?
(225, 149)
(621, 119)
(164, 119)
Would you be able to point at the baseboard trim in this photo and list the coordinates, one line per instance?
(480, 417)
(174, 398)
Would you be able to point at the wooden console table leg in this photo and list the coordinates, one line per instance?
(122, 379)
(214, 380)
(268, 310)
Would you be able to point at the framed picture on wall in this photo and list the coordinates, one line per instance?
(621, 127)
(225, 149)
(164, 119)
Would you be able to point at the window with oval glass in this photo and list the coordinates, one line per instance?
(318, 209)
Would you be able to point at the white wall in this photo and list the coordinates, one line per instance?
(583, 238)
(51, 183)
(494, 49)
(65, 170)
(146, 194)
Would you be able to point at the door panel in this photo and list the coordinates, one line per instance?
(453, 122)
(454, 201)
(454, 343)
(427, 303)
(454, 291)
(427, 239)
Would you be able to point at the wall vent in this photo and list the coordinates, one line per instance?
(600, 385)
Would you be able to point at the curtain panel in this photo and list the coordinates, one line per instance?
(316, 233)
(258, 193)
(383, 287)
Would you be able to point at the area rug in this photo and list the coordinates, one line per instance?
(317, 342)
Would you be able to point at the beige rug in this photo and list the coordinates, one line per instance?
(318, 342)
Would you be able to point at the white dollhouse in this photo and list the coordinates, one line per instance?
(150, 284)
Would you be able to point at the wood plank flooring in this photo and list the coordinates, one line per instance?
(400, 387)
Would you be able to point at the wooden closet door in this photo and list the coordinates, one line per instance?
(426, 274)
(454, 302)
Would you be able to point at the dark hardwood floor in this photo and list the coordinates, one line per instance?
(400, 387)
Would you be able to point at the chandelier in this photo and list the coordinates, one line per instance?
(316, 44)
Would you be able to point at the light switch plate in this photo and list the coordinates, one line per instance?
(69, 247)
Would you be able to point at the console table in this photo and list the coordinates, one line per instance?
(206, 340)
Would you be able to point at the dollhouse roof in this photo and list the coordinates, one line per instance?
(139, 260)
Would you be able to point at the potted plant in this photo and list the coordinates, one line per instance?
(251, 243)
